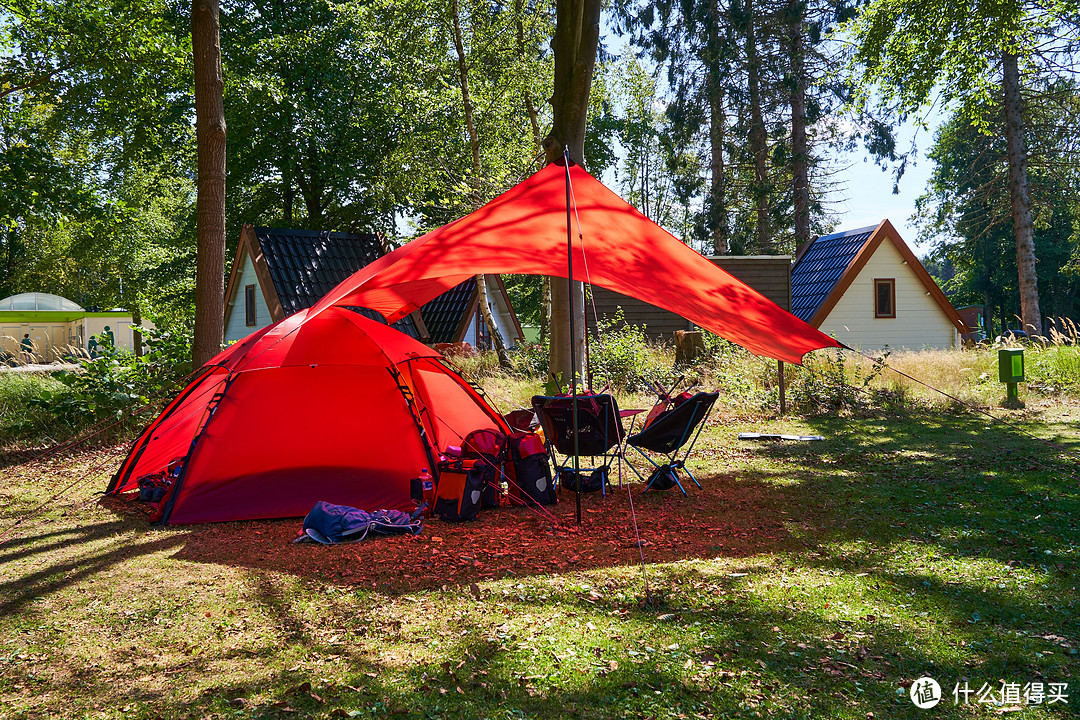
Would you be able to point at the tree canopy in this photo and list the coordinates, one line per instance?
(716, 121)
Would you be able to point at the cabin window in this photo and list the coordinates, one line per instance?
(885, 298)
(483, 334)
(249, 305)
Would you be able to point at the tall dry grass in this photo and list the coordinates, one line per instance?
(749, 384)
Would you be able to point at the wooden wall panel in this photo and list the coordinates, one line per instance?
(769, 275)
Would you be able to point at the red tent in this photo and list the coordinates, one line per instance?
(614, 246)
(335, 407)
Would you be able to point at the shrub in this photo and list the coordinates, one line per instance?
(829, 384)
(18, 412)
(620, 354)
(531, 360)
(116, 382)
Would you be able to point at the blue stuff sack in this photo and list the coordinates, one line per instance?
(328, 523)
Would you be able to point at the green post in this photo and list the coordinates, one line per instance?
(1011, 372)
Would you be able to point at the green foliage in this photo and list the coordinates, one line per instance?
(118, 382)
(829, 384)
(619, 354)
(689, 160)
(531, 360)
(912, 50)
(314, 143)
(967, 208)
(744, 380)
(1052, 370)
(19, 414)
(526, 294)
(95, 151)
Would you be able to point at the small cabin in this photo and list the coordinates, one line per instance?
(866, 288)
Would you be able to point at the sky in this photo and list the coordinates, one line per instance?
(864, 196)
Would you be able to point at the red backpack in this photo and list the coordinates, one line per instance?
(528, 471)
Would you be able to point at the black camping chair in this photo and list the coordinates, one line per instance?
(600, 435)
(669, 433)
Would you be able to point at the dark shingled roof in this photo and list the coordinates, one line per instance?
(307, 264)
(820, 268)
(442, 316)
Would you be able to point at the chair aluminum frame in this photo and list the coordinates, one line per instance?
(674, 462)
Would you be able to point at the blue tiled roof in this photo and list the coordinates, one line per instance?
(443, 315)
(306, 264)
(820, 268)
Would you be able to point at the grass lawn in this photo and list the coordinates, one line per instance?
(806, 580)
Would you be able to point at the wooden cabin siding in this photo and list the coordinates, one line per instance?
(919, 323)
(657, 322)
(769, 275)
(235, 325)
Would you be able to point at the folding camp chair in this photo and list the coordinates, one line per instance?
(667, 435)
(600, 434)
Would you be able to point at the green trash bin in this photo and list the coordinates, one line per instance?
(1011, 371)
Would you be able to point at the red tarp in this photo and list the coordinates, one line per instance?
(524, 231)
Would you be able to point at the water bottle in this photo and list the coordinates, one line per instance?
(427, 486)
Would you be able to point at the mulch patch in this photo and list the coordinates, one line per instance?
(720, 520)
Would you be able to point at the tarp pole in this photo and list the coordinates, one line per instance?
(573, 338)
(783, 399)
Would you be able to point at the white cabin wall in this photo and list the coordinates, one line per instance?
(501, 313)
(235, 327)
(919, 323)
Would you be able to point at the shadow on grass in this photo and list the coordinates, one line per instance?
(18, 592)
(732, 656)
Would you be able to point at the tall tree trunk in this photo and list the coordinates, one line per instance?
(758, 145)
(311, 187)
(288, 188)
(288, 198)
(800, 155)
(474, 140)
(210, 200)
(534, 123)
(1021, 199)
(136, 329)
(577, 34)
(489, 320)
(716, 205)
